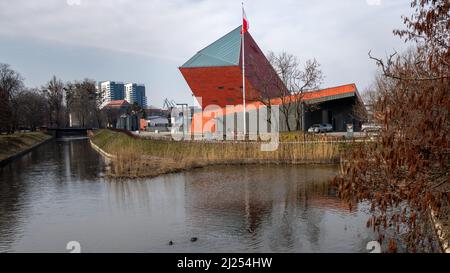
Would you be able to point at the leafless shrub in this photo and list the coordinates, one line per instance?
(405, 174)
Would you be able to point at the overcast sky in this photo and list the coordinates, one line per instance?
(145, 41)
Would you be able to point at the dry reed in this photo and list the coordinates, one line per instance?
(136, 157)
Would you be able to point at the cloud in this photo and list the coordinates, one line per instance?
(338, 33)
(73, 2)
(155, 28)
(373, 2)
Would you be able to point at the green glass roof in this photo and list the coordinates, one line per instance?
(223, 52)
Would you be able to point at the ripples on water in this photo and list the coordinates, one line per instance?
(56, 194)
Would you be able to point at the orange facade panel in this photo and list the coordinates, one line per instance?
(218, 85)
(332, 91)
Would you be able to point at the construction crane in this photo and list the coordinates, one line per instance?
(169, 104)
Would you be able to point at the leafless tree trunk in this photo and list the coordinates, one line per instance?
(83, 102)
(270, 86)
(53, 91)
(286, 66)
(10, 84)
(31, 109)
(297, 81)
(308, 79)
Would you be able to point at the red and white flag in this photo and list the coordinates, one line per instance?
(245, 24)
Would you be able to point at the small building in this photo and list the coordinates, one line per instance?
(155, 123)
(152, 110)
(113, 110)
(128, 122)
(336, 106)
(117, 104)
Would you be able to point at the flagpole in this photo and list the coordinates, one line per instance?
(243, 73)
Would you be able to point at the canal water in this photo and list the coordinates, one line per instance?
(58, 193)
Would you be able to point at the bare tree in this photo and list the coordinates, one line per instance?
(112, 115)
(10, 84)
(269, 85)
(297, 81)
(54, 93)
(286, 66)
(364, 111)
(308, 79)
(404, 175)
(83, 102)
(32, 109)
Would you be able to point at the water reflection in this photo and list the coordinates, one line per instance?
(56, 194)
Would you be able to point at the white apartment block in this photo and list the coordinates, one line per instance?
(111, 90)
(136, 93)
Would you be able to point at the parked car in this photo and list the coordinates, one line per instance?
(371, 127)
(321, 128)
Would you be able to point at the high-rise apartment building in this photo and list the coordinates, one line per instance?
(136, 93)
(112, 90)
(131, 92)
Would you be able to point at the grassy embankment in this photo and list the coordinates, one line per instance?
(146, 158)
(11, 145)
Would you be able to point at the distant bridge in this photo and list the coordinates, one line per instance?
(68, 132)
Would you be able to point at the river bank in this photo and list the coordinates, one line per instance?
(133, 157)
(18, 144)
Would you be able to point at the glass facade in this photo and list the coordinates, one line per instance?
(136, 93)
(130, 92)
(112, 90)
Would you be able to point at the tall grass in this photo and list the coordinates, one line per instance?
(11, 145)
(141, 158)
